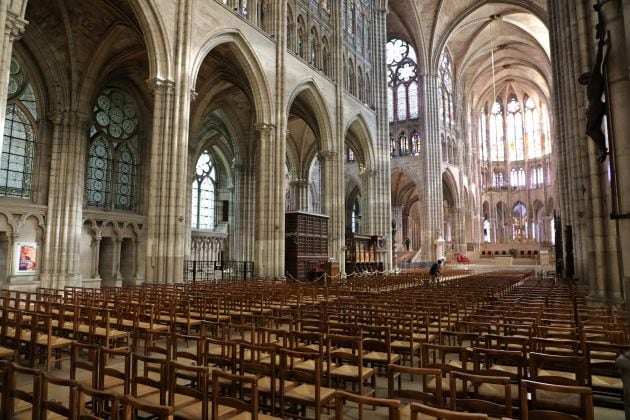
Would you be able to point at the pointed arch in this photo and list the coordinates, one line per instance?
(248, 60)
(358, 134)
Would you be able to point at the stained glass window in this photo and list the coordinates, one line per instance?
(111, 168)
(413, 100)
(402, 80)
(521, 177)
(415, 143)
(349, 154)
(356, 216)
(445, 91)
(519, 221)
(497, 142)
(390, 104)
(325, 6)
(513, 178)
(314, 4)
(300, 38)
(515, 130)
(392, 145)
(545, 131)
(402, 102)
(403, 144)
(532, 132)
(483, 137)
(18, 142)
(203, 193)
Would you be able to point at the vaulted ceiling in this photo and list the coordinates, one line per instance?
(495, 45)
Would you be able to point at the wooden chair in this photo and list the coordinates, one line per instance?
(531, 409)
(446, 358)
(392, 406)
(423, 410)
(395, 388)
(149, 379)
(377, 343)
(261, 361)
(133, 405)
(85, 366)
(101, 404)
(346, 354)
(112, 377)
(190, 399)
(307, 389)
(43, 341)
(475, 401)
(602, 373)
(20, 403)
(53, 405)
(557, 370)
(229, 391)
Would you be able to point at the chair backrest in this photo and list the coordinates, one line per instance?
(133, 405)
(553, 368)
(221, 354)
(121, 371)
(474, 401)
(142, 377)
(30, 396)
(393, 406)
(529, 409)
(395, 384)
(488, 359)
(103, 404)
(198, 375)
(418, 409)
(53, 404)
(231, 393)
(89, 364)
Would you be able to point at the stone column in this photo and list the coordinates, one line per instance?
(65, 199)
(332, 203)
(269, 252)
(242, 243)
(168, 180)
(299, 194)
(13, 238)
(11, 18)
(397, 215)
(431, 190)
(618, 238)
(381, 196)
(96, 257)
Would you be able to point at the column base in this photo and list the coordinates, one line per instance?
(600, 297)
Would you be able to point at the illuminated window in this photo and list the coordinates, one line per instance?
(445, 90)
(18, 143)
(203, 193)
(111, 168)
(403, 144)
(515, 130)
(497, 142)
(483, 136)
(415, 143)
(402, 81)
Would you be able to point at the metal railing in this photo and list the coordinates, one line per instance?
(217, 271)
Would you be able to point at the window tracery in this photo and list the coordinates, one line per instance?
(402, 81)
(203, 193)
(18, 148)
(111, 168)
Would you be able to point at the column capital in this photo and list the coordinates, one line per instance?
(264, 128)
(159, 85)
(300, 182)
(14, 27)
(367, 173)
(328, 155)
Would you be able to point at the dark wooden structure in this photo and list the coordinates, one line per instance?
(306, 244)
(361, 253)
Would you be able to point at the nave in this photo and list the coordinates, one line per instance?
(507, 345)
